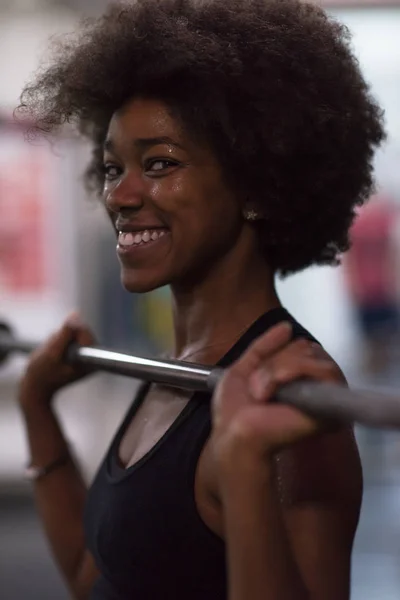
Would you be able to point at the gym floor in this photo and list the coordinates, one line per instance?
(27, 572)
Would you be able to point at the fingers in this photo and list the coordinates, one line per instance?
(82, 334)
(265, 430)
(279, 418)
(268, 344)
(299, 360)
(73, 330)
(273, 360)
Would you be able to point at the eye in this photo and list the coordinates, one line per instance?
(159, 165)
(111, 171)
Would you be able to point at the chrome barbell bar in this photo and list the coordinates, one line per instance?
(374, 408)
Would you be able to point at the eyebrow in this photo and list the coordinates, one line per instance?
(143, 144)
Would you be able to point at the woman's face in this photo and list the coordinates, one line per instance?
(167, 198)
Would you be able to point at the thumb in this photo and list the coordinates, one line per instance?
(82, 334)
(264, 347)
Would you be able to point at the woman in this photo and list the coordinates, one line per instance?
(232, 142)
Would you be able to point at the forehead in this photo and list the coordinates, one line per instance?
(144, 118)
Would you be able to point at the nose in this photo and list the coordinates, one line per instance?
(125, 195)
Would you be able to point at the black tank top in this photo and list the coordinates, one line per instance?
(142, 524)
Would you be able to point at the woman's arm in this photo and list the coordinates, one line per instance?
(322, 517)
(289, 523)
(61, 494)
(290, 526)
(260, 561)
(60, 497)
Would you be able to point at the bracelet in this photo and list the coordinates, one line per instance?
(34, 473)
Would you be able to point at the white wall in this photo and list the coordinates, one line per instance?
(23, 41)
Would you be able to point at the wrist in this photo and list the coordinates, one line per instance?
(34, 472)
(245, 482)
(240, 445)
(245, 462)
(32, 397)
(36, 412)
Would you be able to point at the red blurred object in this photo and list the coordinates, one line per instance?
(22, 223)
(371, 260)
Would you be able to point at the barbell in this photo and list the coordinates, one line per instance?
(321, 400)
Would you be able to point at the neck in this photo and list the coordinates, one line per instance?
(211, 315)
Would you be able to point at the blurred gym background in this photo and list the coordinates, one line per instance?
(57, 254)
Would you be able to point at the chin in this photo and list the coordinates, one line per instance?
(136, 283)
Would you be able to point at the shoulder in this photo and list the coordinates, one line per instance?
(262, 325)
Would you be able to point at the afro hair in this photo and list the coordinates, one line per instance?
(272, 87)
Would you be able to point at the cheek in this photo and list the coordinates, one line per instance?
(197, 212)
(207, 229)
(219, 212)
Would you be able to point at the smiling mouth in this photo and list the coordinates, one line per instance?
(139, 238)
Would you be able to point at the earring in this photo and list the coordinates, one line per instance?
(251, 215)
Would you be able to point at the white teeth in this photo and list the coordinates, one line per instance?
(146, 236)
(130, 239)
(126, 239)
